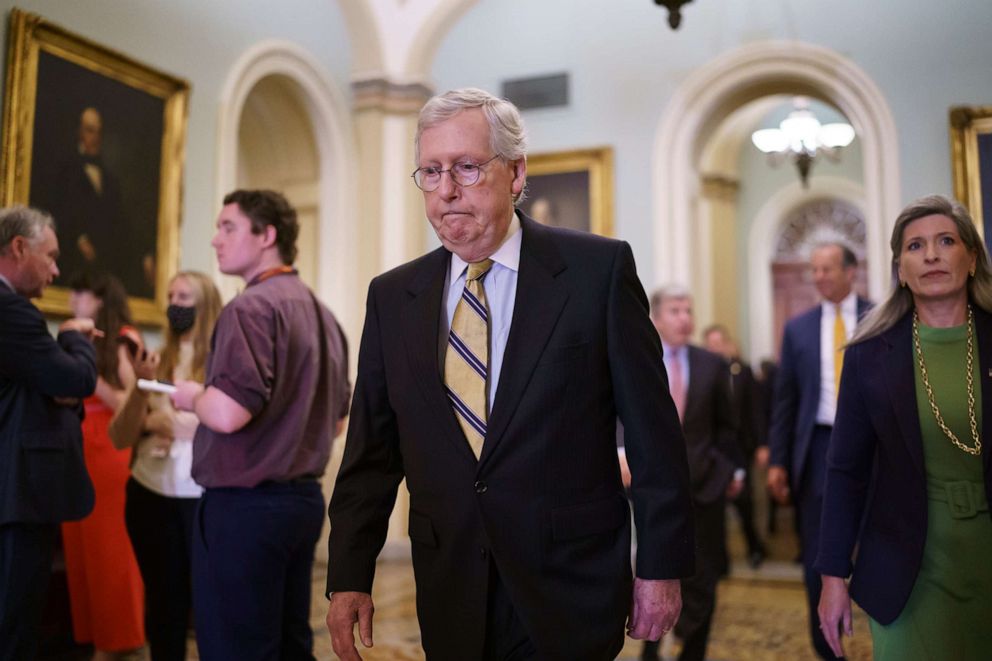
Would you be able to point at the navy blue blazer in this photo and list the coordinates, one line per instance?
(42, 475)
(797, 392)
(875, 470)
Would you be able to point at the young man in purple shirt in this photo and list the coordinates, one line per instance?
(275, 395)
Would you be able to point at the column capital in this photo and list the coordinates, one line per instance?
(388, 96)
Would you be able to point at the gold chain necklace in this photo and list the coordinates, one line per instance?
(977, 450)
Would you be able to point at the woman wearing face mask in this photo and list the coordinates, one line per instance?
(161, 494)
(105, 589)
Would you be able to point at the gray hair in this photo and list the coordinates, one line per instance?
(20, 220)
(507, 136)
(667, 292)
(900, 300)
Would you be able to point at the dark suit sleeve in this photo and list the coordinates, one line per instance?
(653, 438)
(785, 405)
(62, 368)
(849, 466)
(371, 470)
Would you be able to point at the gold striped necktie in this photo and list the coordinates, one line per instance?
(466, 362)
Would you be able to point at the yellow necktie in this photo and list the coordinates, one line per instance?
(840, 339)
(466, 362)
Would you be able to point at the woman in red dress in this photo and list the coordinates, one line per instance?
(105, 589)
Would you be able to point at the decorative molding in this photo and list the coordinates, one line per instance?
(720, 188)
(819, 221)
(391, 97)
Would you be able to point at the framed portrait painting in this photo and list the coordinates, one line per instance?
(571, 189)
(96, 139)
(971, 160)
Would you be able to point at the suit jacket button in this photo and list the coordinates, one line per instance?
(481, 487)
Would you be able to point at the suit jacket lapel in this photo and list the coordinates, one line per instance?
(539, 301)
(421, 319)
(900, 372)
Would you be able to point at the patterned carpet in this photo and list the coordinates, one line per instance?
(761, 614)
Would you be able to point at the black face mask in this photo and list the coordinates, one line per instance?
(181, 318)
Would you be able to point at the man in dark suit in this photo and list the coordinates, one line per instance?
(43, 480)
(497, 401)
(749, 416)
(805, 402)
(701, 390)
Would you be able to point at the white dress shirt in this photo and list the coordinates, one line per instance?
(827, 408)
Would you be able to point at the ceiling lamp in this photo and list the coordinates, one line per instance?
(674, 11)
(802, 137)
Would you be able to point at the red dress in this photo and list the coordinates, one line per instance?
(105, 589)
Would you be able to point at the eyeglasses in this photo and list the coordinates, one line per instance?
(463, 173)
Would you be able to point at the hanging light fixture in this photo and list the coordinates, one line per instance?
(674, 8)
(802, 137)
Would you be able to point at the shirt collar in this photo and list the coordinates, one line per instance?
(848, 306)
(6, 282)
(507, 255)
(672, 352)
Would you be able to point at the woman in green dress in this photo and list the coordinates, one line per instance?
(908, 469)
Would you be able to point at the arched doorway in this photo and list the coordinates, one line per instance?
(277, 150)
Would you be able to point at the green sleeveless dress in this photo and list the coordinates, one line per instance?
(949, 613)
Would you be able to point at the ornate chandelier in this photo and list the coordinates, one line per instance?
(801, 137)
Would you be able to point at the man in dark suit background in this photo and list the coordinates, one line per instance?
(751, 424)
(519, 526)
(43, 480)
(805, 401)
(701, 391)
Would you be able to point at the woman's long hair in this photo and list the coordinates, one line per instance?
(113, 314)
(900, 300)
(208, 305)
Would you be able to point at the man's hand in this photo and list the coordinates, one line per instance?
(186, 393)
(345, 609)
(654, 609)
(81, 325)
(734, 489)
(778, 484)
(761, 456)
(834, 610)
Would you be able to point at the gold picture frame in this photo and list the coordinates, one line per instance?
(971, 162)
(98, 139)
(572, 189)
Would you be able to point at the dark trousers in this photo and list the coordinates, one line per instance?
(699, 591)
(506, 639)
(161, 532)
(252, 562)
(810, 505)
(25, 569)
